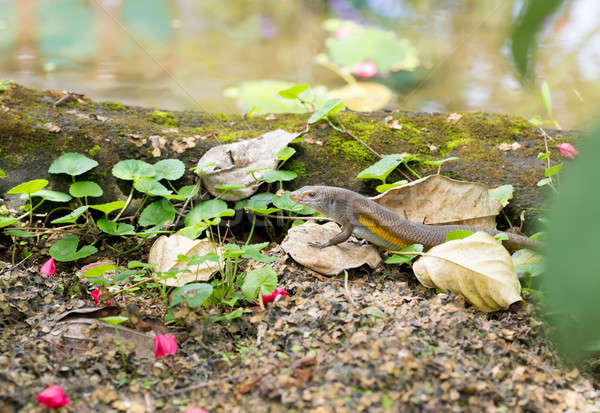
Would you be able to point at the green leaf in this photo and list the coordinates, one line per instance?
(553, 170)
(547, 98)
(286, 153)
(157, 213)
(230, 316)
(115, 228)
(441, 161)
(54, 196)
(544, 181)
(261, 201)
(544, 155)
(458, 234)
(99, 270)
(85, 188)
(114, 320)
(206, 210)
(72, 163)
(28, 187)
(169, 169)
(131, 169)
(71, 217)
(2, 173)
(386, 187)
(523, 39)
(382, 168)
(193, 231)
(252, 252)
(228, 187)
(536, 121)
(330, 108)
(276, 175)
(109, 206)
(403, 259)
(294, 91)
(501, 236)
(502, 194)
(65, 249)
(6, 221)
(286, 203)
(19, 233)
(193, 294)
(263, 278)
(151, 186)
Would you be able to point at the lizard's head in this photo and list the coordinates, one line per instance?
(315, 197)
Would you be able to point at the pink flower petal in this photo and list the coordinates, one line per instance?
(195, 410)
(53, 397)
(365, 69)
(96, 296)
(164, 344)
(48, 268)
(567, 150)
(345, 31)
(275, 296)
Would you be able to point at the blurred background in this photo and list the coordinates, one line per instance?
(211, 55)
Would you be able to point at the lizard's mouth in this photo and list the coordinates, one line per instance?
(294, 197)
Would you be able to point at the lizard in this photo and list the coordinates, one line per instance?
(367, 219)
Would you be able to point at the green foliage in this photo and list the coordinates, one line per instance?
(157, 213)
(28, 187)
(169, 169)
(502, 194)
(405, 259)
(48, 195)
(531, 19)
(85, 188)
(458, 234)
(263, 279)
(194, 294)
(386, 187)
(294, 92)
(572, 285)
(72, 163)
(382, 168)
(277, 175)
(131, 169)
(99, 270)
(329, 109)
(207, 210)
(65, 249)
(388, 52)
(109, 207)
(114, 320)
(115, 228)
(71, 217)
(151, 186)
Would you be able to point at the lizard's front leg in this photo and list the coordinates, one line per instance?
(339, 238)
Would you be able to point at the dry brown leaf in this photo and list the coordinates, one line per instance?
(270, 116)
(331, 260)
(433, 149)
(169, 130)
(436, 199)
(392, 123)
(164, 253)
(454, 117)
(52, 127)
(229, 164)
(509, 146)
(364, 96)
(477, 267)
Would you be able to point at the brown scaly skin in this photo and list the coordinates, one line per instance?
(367, 219)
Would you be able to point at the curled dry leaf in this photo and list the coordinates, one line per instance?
(164, 253)
(158, 142)
(331, 260)
(476, 267)
(52, 127)
(392, 123)
(436, 199)
(230, 164)
(509, 146)
(454, 117)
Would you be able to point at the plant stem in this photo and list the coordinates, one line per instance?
(251, 229)
(126, 204)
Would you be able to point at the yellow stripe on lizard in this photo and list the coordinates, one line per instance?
(381, 232)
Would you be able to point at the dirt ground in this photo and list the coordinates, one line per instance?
(400, 348)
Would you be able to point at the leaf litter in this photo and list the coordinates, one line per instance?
(403, 348)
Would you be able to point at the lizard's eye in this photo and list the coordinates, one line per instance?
(311, 194)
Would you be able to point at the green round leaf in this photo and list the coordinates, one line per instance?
(109, 206)
(6, 221)
(72, 217)
(206, 210)
(276, 175)
(115, 228)
(131, 169)
(151, 187)
(294, 91)
(65, 249)
(382, 168)
(72, 163)
(85, 188)
(329, 108)
(170, 169)
(264, 278)
(157, 213)
(28, 187)
(193, 294)
(286, 153)
(49, 195)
